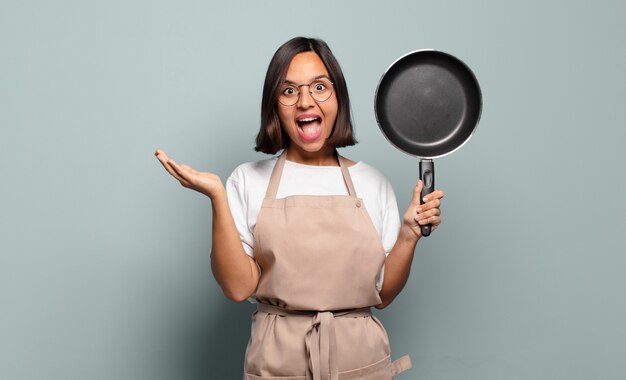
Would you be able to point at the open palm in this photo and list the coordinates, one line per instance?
(203, 182)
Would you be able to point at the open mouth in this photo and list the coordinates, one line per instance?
(309, 127)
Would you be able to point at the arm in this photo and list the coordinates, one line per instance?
(399, 259)
(235, 271)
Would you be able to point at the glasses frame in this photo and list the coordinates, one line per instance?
(298, 86)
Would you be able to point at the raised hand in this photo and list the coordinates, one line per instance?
(208, 184)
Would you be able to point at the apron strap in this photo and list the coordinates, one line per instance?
(401, 365)
(321, 348)
(277, 172)
(346, 176)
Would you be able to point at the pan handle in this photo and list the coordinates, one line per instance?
(427, 175)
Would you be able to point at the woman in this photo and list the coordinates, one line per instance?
(312, 236)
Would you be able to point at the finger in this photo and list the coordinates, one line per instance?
(161, 155)
(427, 215)
(171, 167)
(178, 173)
(434, 204)
(188, 169)
(436, 222)
(184, 174)
(417, 190)
(165, 161)
(437, 194)
(433, 220)
(163, 158)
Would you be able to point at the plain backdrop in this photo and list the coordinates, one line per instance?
(104, 259)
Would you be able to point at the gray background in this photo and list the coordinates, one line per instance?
(104, 266)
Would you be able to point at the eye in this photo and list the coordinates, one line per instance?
(290, 91)
(319, 87)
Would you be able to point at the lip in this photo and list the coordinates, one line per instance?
(308, 116)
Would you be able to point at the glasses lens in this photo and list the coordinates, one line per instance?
(289, 95)
(321, 90)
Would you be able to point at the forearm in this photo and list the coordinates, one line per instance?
(398, 265)
(235, 271)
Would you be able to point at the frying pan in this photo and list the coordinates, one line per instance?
(428, 104)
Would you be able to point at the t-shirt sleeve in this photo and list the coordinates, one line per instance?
(391, 218)
(237, 200)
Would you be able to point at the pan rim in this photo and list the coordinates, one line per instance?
(472, 76)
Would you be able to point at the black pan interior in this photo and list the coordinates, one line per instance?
(428, 103)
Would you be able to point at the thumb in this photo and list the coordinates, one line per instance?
(417, 193)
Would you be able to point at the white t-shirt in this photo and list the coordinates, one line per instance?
(247, 185)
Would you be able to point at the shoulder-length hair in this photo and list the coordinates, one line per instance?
(272, 137)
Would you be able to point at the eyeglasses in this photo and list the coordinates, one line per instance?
(320, 90)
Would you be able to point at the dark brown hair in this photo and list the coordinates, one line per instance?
(272, 137)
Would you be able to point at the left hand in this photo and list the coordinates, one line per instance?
(418, 214)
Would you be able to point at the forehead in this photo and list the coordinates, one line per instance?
(305, 66)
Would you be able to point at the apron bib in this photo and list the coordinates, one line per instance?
(320, 258)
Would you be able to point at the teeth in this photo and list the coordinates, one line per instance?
(306, 120)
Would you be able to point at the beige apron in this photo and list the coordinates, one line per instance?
(320, 258)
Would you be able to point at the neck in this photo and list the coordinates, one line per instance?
(323, 157)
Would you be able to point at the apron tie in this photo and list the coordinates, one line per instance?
(321, 348)
(320, 338)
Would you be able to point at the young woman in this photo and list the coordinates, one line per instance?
(313, 238)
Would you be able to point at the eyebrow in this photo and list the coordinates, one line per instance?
(314, 79)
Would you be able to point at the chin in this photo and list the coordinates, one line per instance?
(311, 147)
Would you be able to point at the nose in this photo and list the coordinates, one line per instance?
(305, 100)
